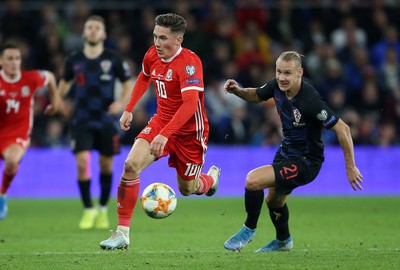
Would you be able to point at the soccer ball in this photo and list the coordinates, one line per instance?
(158, 200)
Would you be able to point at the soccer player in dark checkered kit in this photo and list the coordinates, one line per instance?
(300, 156)
(91, 74)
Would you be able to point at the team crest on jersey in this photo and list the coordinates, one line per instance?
(105, 67)
(2, 92)
(297, 115)
(168, 77)
(146, 130)
(191, 70)
(25, 91)
(323, 115)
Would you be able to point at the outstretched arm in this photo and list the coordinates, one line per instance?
(249, 94)
(346, 142)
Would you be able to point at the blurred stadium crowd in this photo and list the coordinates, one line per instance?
(351, 48)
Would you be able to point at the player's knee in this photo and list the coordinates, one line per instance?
(252, 183)
(185, 191)
(131, 167)
(11, 167)
(274, 202)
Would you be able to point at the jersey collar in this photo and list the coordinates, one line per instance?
(8, 79)
(173, 57)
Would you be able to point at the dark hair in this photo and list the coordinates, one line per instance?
(8, 45)
(175, 22)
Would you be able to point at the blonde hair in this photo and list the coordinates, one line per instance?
(291, 56)
(96, 18)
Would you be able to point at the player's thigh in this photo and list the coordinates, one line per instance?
(260, 178)
(187, 157)
(139, 156)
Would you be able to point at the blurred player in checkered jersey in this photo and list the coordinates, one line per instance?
(89, 80)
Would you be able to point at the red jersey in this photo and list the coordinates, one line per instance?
(16, 102)
(182, 72)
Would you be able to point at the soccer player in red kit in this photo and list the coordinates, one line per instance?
(178, 129)
(17, 89)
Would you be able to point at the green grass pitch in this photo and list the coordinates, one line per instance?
(328, 233)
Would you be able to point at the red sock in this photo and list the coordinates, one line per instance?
(7, 178)
(128, 193)
(206, 181)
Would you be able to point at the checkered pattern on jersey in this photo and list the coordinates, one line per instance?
(93, 88)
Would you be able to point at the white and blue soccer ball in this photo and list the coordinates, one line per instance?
(158, 200)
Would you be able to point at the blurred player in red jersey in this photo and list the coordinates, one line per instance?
(17, 89)
(178, 129)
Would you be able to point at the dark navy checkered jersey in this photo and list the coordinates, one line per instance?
(302, 117)
(93, 88)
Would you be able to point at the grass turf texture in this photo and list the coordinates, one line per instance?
(328, 233)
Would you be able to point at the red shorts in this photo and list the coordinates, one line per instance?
(186, 154)
(7, 141)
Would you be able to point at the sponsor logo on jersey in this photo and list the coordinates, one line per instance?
(168, 77)
(192, 81)
(25, 91)
(323, 115)
(191, 70)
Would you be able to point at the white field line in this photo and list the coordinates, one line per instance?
(102, 252)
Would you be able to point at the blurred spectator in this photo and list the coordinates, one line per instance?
(15, 23)
(387, 134)
(54, 134)
(348, 34)
(357, 69)
(195, 39)
(388, 79)
(333, 78)
(285, 24)
(252, 46)
(390, 39)
(251, 10)
(314, 37)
